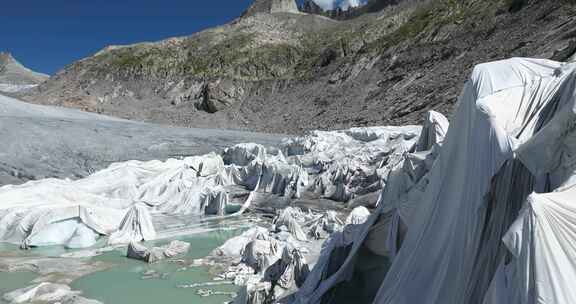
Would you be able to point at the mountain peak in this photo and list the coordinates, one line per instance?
(346, 9)
(271, 6)
(14, 76)
(6, 57)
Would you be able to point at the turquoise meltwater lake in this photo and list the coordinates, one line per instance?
(124, 283)
(14, 280)
(131, 281)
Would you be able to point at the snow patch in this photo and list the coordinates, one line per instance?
(15, 88)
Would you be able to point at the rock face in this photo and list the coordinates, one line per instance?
(289, 73)
(271, 7)
(338, 13)
(310, 7)
(15, 77)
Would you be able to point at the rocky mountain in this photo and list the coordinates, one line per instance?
(15, 77)
(271, 6)
(278, 70)
(310, 7)
(371, 6)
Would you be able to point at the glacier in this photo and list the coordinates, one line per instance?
(122, 201)
(476, 210)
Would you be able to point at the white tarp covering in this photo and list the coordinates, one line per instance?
(543, 247)
(291, 220)
(125, 201)
(502, 106)
(243, 154)
(433, 132)
(349, 163)
(405, 182)
(327, 223)
(135, 227)
(511, 134)
(121, 201)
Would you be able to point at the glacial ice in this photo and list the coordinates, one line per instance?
(481, 212)
(122, 201)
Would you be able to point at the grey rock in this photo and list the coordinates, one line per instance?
(219, 95)
(13, 72)
(371, 6)
(15, 77)
(272, 6)
(155, 254)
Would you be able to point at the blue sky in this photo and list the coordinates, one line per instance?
(46, 35)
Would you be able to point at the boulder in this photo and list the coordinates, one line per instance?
(219, 95)
(151, 255)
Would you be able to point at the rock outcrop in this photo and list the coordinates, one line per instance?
(271, 7)
(14, 77)
(348, 12)
(156, 254)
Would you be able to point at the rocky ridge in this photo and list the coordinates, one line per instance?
(371, 6)
(15, 77)
(287, 72)
(271, 7)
